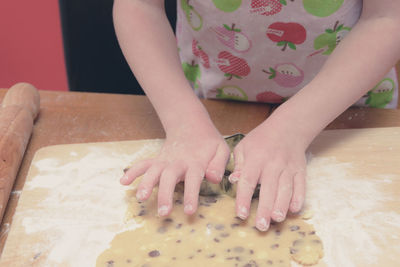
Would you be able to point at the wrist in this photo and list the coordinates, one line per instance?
(294, 129)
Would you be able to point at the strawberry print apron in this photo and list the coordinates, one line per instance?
(266, 50)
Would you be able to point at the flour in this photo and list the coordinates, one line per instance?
(346, 216)
(85, 207)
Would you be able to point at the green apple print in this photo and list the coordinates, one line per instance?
(227, 5)
(193, 17)
(322, 8)
(231, 92)
(328, 41)
(192, 73)
(381, 95)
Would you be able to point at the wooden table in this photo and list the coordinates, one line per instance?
(68, 117)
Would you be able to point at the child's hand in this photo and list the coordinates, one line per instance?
(188, 154)
(275, 159)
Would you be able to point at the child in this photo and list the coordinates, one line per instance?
(275, 51)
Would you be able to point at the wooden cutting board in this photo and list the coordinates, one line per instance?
(72, 204)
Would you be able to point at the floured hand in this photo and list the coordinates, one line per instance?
(188, 154)
(274, 159)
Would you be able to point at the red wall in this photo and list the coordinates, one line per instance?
(31, 44)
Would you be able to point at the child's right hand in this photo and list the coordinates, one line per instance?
(188, 154)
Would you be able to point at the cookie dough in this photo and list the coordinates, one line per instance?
(211, 237)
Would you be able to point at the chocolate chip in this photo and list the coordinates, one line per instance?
(294, 228)
(190, 257)
(201, 216)
(37, 255)
(210, 199)
(233, 225)
(270, 262)
(277, 232)
(311, 233)
(178, 241)
(275, 246)
(251, 263)
(251, 251)
(216, 240)
(228, 250)
(162, 229)
(219, 227)
(173, 258)
(178, 226)
(168, 220)
(192, 231)
(238, 258)
(316, 241)
(224, 235)
(238, 249)
(212, 255)
(293, 251)
(126, 169)
(154, 253)
(199, 250)
(142, 212)
(230, 258)
(110, 263)
(128, 261)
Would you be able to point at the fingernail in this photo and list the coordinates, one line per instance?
(163, 210)
(278, 215)
(243, 213)
(234, 177)
(216, 174)
(141, 194)
(295, 206)
(262, 224)
(124, 178)
(188, 208)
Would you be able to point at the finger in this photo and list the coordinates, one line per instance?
(238, 156)
(299, 191)
(149, 181)
(216, 167)
(193, 179)
(284, 195)
(245, 189)
(166, 188)
(268, 191)
(135, 171)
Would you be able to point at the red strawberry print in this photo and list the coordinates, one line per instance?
(267, 7)
(269, 97)
(199, 52)
(287, 34)
(232, 66)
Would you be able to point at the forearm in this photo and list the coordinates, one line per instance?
(354, 68)
(149, 46)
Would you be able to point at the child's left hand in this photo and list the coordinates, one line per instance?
(273, 156)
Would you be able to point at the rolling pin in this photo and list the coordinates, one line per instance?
(18, 111)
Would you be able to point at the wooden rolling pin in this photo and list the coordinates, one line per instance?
(18, 111)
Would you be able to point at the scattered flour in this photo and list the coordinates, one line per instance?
(346, 216)
(86, 208)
